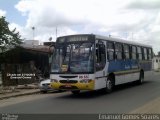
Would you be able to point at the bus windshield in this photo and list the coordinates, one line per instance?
(73, 58)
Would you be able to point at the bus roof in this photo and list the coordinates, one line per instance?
(111, 39)
(121, 41)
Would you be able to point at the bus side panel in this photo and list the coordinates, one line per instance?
(146, 65)
(124, 70)
(122, 65)
(119, 79)
(116, 66)
(100, 83)
(132, 77)
(101, 77)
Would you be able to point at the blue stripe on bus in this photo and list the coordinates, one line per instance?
(146, 65)
(121, 65)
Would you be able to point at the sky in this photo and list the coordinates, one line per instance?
(133, 20)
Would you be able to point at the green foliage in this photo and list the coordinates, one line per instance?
(8, 38)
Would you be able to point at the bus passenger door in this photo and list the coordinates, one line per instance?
(100, 64)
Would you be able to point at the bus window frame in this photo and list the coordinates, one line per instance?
(124, 52)
(116, 57)
(139, 53)
(145, 54)
(97, 60)
(134, 52)
(108, 56)
(149, 54)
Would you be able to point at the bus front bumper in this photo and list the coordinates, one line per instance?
(73, 86)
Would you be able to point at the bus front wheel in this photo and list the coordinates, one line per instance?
(109, 85)
(75, 92)
(141, 78)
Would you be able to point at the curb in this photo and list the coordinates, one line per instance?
(17, 95)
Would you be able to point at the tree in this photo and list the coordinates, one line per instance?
(8, 38)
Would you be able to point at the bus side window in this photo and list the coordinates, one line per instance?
(118, 51)
(100, 56)
(126, 51)
(139, 53)
(145, 53)
(133, 53)
(110, 50)
(149, 54)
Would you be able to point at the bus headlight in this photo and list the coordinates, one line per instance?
(86, 81)
(54, 80)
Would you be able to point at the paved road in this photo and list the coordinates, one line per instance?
(124, 99)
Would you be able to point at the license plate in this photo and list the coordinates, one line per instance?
(67, 85)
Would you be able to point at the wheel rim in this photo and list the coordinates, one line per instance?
(142, 79)
(76, 92)
(109, 84)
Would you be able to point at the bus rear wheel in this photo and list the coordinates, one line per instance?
(75, 92)
(109, 85)
(141, 78)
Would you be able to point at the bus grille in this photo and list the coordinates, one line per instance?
(69, 88)
(68, 81)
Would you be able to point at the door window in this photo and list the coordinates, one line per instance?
(100, 55)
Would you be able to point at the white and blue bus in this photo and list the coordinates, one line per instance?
(93, 62)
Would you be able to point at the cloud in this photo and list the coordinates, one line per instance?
(145, 4)
(68, 13)
(25, 33)
(51, 13)
(129, 19)
(2, 13)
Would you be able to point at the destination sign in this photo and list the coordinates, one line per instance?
(73, 39)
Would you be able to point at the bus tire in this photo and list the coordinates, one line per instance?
(141, 78)
(43, 92)
(75, 92)
(109, 85)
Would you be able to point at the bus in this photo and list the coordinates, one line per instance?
(92, 62)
